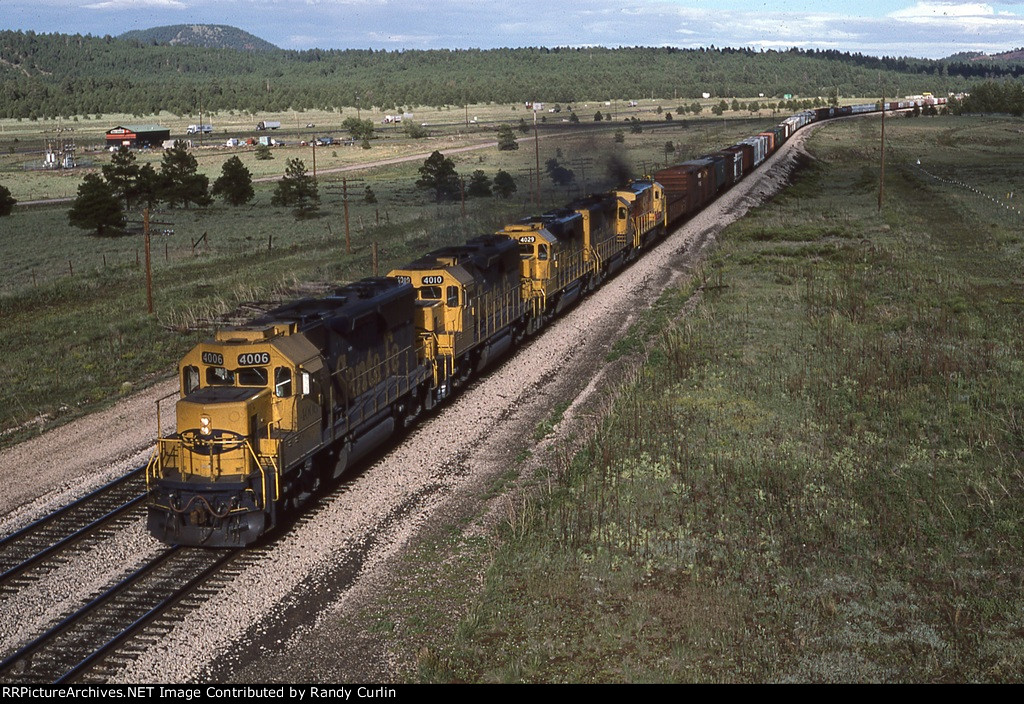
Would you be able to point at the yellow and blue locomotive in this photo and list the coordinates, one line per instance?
(270, 410)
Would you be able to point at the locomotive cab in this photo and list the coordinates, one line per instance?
(645, 215)
(248, 407)
(553, 259)
(469, 306)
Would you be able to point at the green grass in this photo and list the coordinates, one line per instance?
(816, 477)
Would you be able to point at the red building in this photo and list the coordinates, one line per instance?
(138, 136)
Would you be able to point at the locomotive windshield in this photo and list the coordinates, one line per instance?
(246, 376)
(527, 250)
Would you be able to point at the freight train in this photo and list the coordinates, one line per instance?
(271, 411)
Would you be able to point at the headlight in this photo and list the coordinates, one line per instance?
(204, 425)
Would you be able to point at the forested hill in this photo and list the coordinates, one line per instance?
(210, 36)
(47, 75)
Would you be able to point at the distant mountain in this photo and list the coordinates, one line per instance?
(209, 36)
(966, 56)
(1012, 56)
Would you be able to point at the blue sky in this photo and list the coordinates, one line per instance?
(924, 28)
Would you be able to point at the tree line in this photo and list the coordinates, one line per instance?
(59, 75)
(102, 200)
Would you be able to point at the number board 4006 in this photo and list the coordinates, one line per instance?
(214, 358)
(251, 359)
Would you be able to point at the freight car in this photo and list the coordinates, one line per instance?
(270, 411)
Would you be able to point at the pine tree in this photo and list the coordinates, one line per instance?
(504, 184)
(438, 174)
(297, 190)
(479, 185)
(7, 201)
(96, 208)
(148, 185)
(559, 175)
(507, 139)
(235, 183)
(181, 182)
(122, 173)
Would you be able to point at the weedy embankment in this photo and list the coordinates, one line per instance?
(817, 474)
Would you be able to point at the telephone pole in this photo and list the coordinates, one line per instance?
(146, 222)
(536, 149)
(344, 201)
(881, 171)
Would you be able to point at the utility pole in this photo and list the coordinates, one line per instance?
(344, 201)
(881, 171)
(149, 271)
(536, 149)
(146, 222)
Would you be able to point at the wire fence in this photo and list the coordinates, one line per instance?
(1007, 205)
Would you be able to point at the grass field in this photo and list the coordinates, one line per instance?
(815, 477)
(24, 142)
(73, 306)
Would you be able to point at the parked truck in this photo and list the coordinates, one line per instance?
(268, 125)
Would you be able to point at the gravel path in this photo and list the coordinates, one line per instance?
(288, 615)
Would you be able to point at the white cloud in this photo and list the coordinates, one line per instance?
(137, 5)
(403, 39)
(958, 20)
(927, 11)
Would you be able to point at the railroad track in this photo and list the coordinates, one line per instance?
(50, 540)
(85, 641)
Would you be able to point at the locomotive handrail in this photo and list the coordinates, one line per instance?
(258, 459)
(155, 459)
(263, 476)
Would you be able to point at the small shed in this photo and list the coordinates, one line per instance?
(137, 136)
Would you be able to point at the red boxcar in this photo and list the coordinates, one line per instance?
(688, 187)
